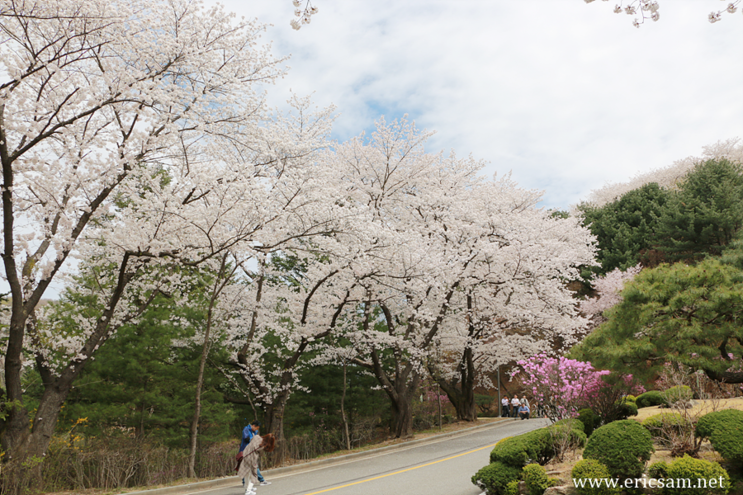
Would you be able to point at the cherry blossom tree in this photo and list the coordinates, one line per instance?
(608, 293)
(446, 232)
(303, 12)
(670, 176)
(650, 10)
(134, 136)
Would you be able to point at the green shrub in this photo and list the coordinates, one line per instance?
(536, 479)
(511, 452)
(589, 419)
(695, 470)
(540, 446)
(725, 432)
(659, 425)
(558, 439)
(679, 393)
(630, 398)
(622, 446)
(650, 399)
(495, 477)
(591, 469)
(625, 410)
(573, 423)
(512, 488)
(658, 470)
(725, 420)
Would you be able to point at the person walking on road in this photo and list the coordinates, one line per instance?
(249, 466)
(249, 432)
(505, 407)
(515, 404)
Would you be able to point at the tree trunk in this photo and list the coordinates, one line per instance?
(194, 430)
(461, 392)
(343, 410)
(274, 424)
(219, 284)
(401, 398)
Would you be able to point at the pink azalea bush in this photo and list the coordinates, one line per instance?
(562, 386)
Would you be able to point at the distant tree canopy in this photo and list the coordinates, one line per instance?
(674, 314)
(705, 214)
(626, 227)
(652, 224)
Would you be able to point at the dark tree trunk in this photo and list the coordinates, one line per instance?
(461, 391)
(401, 398)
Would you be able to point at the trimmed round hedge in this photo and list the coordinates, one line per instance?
(622, 446)
(695, 470)
(650, 399)
(536, 479)
(539, 446)
(659, 425)
(495, 477)
(512, 488)
(679, 393)
(591, 469)
(725, 432)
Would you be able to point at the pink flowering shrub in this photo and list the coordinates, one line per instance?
(560, 385)
(563, 386)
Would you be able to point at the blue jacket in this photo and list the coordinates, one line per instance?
(248, 435)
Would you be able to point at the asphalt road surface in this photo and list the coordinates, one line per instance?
(441, 468)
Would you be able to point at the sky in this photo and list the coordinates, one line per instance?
(567, 96)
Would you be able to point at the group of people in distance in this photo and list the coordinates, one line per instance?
(515, 407)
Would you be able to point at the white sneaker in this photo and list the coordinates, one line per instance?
(264, 483)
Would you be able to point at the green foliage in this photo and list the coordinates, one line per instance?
(495, 477)
(540, 446)
(143, 384)
(624, 410)
(591, 469)
(535, 477)
(571, 423)
(650, 398)
(695, 470)
(679, 393)
(706, 213)
(318, 406)
(659, 425)
(486, 403)
(589, 419)
(679, 314)
(630, 398)
(725, 420)
(658, 470)
(513, 451)
(626, 227)
(622, 446)
(512, 488)
(725, 432)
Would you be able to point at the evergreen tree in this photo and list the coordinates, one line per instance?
(626, 228)
(686, 314)
(706, 213)
(144, 379)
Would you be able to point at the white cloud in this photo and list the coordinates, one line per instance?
(567, 95)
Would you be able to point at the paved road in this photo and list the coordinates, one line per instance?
(441, 468)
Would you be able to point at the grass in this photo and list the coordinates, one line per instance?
(699, 406)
